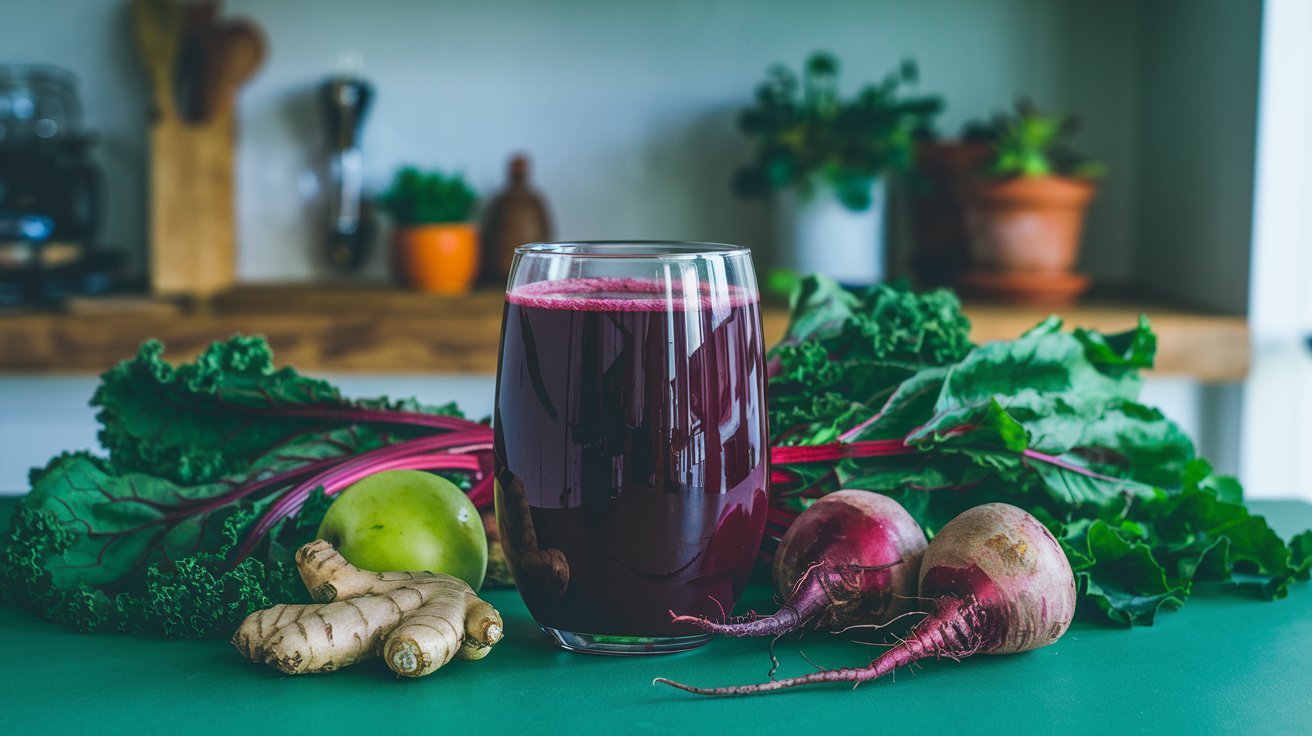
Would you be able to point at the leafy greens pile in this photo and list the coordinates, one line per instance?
(217, 470)
(883, 390)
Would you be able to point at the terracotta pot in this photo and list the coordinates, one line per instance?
(438, 259)
(1028, 224)
(937, 220)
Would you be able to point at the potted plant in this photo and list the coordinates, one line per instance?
(435, 244)
(823, 161)
(1025, 210)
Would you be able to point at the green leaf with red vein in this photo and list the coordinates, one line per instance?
(217, 470)
(1049, 421)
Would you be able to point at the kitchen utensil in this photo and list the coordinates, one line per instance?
(239, 50)
(157, 25)
(346, 101)
(194, 77)
(192, 228)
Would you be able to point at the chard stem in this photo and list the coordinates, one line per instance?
(452, 451)
(830, 451)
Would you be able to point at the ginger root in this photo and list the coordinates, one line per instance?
(418, 621)
(546, 570)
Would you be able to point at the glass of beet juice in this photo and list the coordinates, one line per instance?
(631, 446)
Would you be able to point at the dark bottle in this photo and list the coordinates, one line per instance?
(517, 215)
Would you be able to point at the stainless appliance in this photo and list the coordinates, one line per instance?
(346, 100)
(46, 176)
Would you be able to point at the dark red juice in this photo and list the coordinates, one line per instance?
(631, 452)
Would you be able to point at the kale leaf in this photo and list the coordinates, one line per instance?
(217, 471)
(1050, 421)
(846, 352)
(200, 421)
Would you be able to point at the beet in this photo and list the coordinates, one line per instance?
(1000, 584)
(850, 559)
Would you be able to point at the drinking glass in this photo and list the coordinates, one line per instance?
(630, 438)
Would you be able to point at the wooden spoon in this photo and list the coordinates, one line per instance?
(158, 27)
(240, 51)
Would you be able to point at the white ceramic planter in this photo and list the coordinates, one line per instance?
(818, 234)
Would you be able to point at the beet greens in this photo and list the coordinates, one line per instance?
(216, 471)
(881, 389)
(216, 467)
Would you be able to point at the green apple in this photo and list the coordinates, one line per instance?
(408, 520)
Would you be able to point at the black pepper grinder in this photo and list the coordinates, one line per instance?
(517, 215)
(350, 227)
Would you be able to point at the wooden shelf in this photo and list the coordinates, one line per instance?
(375, 330)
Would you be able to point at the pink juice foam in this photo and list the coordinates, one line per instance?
(608, 294)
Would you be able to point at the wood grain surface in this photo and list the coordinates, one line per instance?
(379, 330)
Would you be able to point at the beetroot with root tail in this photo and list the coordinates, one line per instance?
(850, 559)
(999, 583)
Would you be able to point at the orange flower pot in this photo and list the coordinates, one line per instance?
(1029, 224)
(437, 259)
(1025, 238)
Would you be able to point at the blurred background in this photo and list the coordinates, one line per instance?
(348, 177)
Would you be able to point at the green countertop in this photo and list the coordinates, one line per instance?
(1222, 664)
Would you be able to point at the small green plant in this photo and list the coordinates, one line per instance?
(1030, 142)
(425, 198)
(808, 134)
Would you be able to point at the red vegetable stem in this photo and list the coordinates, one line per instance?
(1044, 457)
(200, 506)
(779, 476)
(417, 454)
(481, 493)
(334, 485)
(255, 486)
(830, 451)
(366, 460)
(858, 429)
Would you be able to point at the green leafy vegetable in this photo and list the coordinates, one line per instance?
(882, 390)
(418, 198)
(217, 470)
(846, 353)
